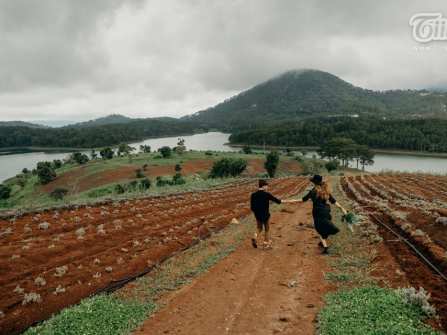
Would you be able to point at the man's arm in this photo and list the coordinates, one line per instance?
(273, 198)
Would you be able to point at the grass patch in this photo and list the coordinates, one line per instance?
(100, 315)
(370, 310)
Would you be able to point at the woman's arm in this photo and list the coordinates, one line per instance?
(341, 208)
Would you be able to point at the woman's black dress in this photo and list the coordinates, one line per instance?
(321, 213)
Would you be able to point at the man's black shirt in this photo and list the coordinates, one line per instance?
(259, 204)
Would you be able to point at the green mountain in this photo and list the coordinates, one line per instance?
(302, 94)
(103, 121)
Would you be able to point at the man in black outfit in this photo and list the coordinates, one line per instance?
(259, 204)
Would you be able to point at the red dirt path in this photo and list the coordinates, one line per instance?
(136, 235)
(247, 292)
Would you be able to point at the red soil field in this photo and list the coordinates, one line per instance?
(83, 250)
(410, 204)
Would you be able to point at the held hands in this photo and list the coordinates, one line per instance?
(291, 201)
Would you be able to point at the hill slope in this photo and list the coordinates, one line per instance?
(21, 124)
(302, 94)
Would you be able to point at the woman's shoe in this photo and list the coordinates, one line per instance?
(325, 251)
(253, 243)
(320, 244)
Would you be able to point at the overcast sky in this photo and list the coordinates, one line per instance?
(77, 60)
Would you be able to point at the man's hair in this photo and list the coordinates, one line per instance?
(262, 183)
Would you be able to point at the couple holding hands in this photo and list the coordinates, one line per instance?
(321, 199)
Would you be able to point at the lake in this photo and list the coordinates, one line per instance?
(14, 163)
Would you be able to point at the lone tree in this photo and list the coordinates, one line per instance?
(45, 172)
(165, 151)
(5, 191)
(346, 150)
(125, 149)
(180, 148)
(271, 163)
(106, 153)
(79, 158)
(145, 148)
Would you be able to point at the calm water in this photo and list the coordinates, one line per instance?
(10, 165)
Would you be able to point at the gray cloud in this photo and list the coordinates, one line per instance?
(83, 59)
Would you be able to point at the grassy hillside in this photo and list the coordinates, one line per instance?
(99, 178)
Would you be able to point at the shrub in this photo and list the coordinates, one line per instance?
(5, 191)
(178, 168)
(59, 193)
(57, 164)
(79, 158)
(106, 153)
(165, 151)
(271, 163)
(45, 172)
(208, 153)
(226, 167)
(418, 298)
(119, 189)
(145, 148)
(139, 173)
(25, 171)
(247, 150)
(145, 166)
(133, 185)
(145, 184)
(332, 165)
(178, 179)
(160, 181)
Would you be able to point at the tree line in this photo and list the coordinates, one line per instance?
(416, 135)
(95, 136)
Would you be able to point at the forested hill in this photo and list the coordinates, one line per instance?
(417, 135)
(20, 124)
(95, 136)
(296, 95)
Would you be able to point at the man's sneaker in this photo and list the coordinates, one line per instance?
(253, 243)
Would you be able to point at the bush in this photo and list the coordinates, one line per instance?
(145, 166)
(25, 171)
(178, 168)
(107, 153)
(160, 181)
(133, 185)
(227, 167)
(208, 153)
(57, 163)
(271, 163)
(165, 152)
(139, 173)
(119, 189)
(45, 172)
(145, 184)
(178, 179)
(332, 165)
(5, 191)
(247, 150)
(79, 158)
(59, 193)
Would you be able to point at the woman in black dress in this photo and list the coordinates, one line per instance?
(321, 212)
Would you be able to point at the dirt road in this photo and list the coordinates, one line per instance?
(254, 291)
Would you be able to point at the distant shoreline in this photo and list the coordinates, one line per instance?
(378, 151)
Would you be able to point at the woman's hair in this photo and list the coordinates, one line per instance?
(323, 190)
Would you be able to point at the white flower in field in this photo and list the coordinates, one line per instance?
(120, 260)
(136, 243)
(59, 289)
(97, 275)
(40, 281)
(61, 271)
(109, 269)
(44, 225)
(80, 233)
(13, 257)
(31, 297)
(19, 290)
(96, 261)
